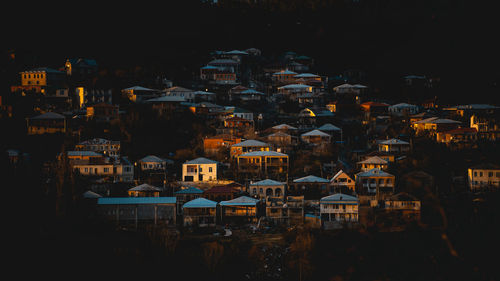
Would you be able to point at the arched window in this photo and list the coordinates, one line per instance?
(269, 192)
(278, 192)
(254, 191)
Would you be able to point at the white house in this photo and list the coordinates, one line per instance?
(199, 170)
(339, 208)
(484, 176)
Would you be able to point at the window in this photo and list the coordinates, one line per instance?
(106, 170)
(86, 170)
(475, 174)
(490, 174)
(209, 169)
(201, 170)
(480, 174)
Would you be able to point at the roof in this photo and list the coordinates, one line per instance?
(240, 201)
(209, 67)
(91, 195)
(152, 158)
(486, 166)
(177, 89)
(338, 174)
(284, 127)
(311, 179)
(279, 134)
(329, 127)
(394, 141)
(235, 52)
(223, 61)
(83, 153)
(139, 88)
(201, 160)
(250, 143)
(144, 187)
(135, 200)
(338, 198)
(48, 115)
(266, 182)
(222, 189)
(200, 203)
(376, 172)
(286, 72)
(373, 160)
(402, 196)
(189, 190)
(306, 75)
(262, 153)
(167, 99)
(98, 141)
(315, 133)
(295, 86)
(251, 91)
(403, 105)
(45, 69)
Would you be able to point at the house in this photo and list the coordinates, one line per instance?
(103, 146)
(140, 94)
(276, 210)
(375, 181)
(281, 141)
(373, 107)
(373, 162)
(199, 170)
(311, 187)
(338, 209)
(262, 164)
(341, 182)
(247, 95)
(267, 187)
(153, 163)
(165, 105)
(330, 129)
(460, 135)
(176, 91)
(248, 146)
(483, 176)
(47, 123)
(487, 127)
(316, 137)
(308, 77)
(284, 77)
(239, 210)
(144, 190)
(199, 212)
(284, 128)
(84, 155)
(186, 194)
(40, 80)
(221, 193)
(405, 206)
(434, 125)
(403, 109)
(394, 146)
(115, 169)
(390, 158)
(80, 67)
(212, 145)
(291, 91)
(88, 96)
(350, 89)
(104, 112)
(237, 126)
(135, 210)
(239, 112)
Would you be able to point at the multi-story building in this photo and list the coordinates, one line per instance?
(110, 169)
(394, 146)
(341, 182)
(103, 146)
(375, 181)
(263, 164)
(248, 146)
(483, 176)
(373, 162)
(267, 187)
(199, 170)
(47, 123)
(338, 208)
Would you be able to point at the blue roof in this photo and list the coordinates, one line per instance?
(189, 190)
(200, 203)
(135, 200)
(339, 198)
(267, 182)
(311, 178)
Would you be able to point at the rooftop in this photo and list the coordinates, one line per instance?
(135, 200)
(200, 203)
(266, 182)
(311, 179)
(250, 143)
(201, 160)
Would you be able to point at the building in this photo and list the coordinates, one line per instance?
(337, 209)
(144, 190)
(404, 206)
(375, 181)
(47, 123)
(40, 80)
(212, 145)
(103, 146)
(457, 136)
(285, 128)
(239, 210)
(177, 91)
(221, 193)
(135, 210)
(166, 105)
(152, 162)
(403, 109)
(80, 67)
(186, 194)
(483, 176)
(248, 146)
(104, 112)
(434, 125)
(390, 158)
(394, 146)
(199, 212)
(239, 112)
(342, 182)
(267, 188)
(263, 164)
(199, 170)
(373, 162)
(109, 169)
(87, 97)
(311, 187)
(316, 137)
(140, 94)
(284, 77)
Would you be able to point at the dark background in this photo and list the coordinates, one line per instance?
(453, 40)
